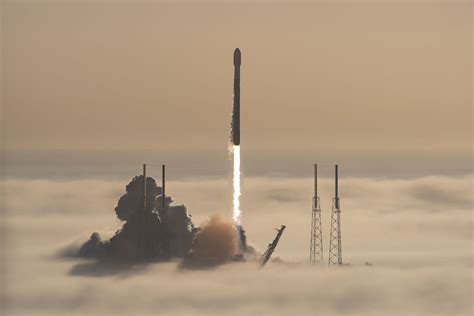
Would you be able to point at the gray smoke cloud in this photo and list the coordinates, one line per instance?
(142, 237)
(132, 200)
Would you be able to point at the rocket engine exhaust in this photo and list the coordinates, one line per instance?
(236, 214)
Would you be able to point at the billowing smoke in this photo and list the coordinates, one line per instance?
(133, 197)
(142, 236)
(215, 243)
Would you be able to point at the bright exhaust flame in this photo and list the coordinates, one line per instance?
(236, 183)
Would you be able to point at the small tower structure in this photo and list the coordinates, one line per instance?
(316, 243)
(335, 247)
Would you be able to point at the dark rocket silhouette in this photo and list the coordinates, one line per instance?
(235, 130)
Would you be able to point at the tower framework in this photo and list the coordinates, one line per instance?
(164, 215)
(316, 245)
(141, 237)
(335, 247)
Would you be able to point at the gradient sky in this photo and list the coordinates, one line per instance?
(92, 89)
(379, 79)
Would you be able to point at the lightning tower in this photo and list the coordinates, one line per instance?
(335, 247)
(164, 215)
(141, 237)
(316, 246)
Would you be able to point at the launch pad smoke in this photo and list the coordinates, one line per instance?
(141, 237)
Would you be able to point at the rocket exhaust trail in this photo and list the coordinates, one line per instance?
(236, 185)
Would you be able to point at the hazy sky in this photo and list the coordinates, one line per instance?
(91, 89)
(356, 76)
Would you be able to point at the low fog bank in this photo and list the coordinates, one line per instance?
(424, 215)
(417, 233)
(236, 289)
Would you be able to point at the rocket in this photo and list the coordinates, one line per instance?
(235, 126)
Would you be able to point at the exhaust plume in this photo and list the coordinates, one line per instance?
(215, 243)
(236, 213)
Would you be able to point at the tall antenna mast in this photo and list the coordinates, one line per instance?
(144, 187)
(164, 214)
(140, 214)
(163, 191)
(316, 243)
(335, 247)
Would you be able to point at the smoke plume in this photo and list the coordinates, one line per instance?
(142, 236)
(215, 243)
(133, 197)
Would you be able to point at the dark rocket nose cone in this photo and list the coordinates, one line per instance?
(237, 57)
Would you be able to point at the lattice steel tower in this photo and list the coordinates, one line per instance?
(335, 248)
(316, 247)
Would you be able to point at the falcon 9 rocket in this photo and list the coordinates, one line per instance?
(235, 130)
(235, 139)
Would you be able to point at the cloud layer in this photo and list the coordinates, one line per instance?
(417, 233)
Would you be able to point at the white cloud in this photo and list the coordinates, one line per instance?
(417, 232)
